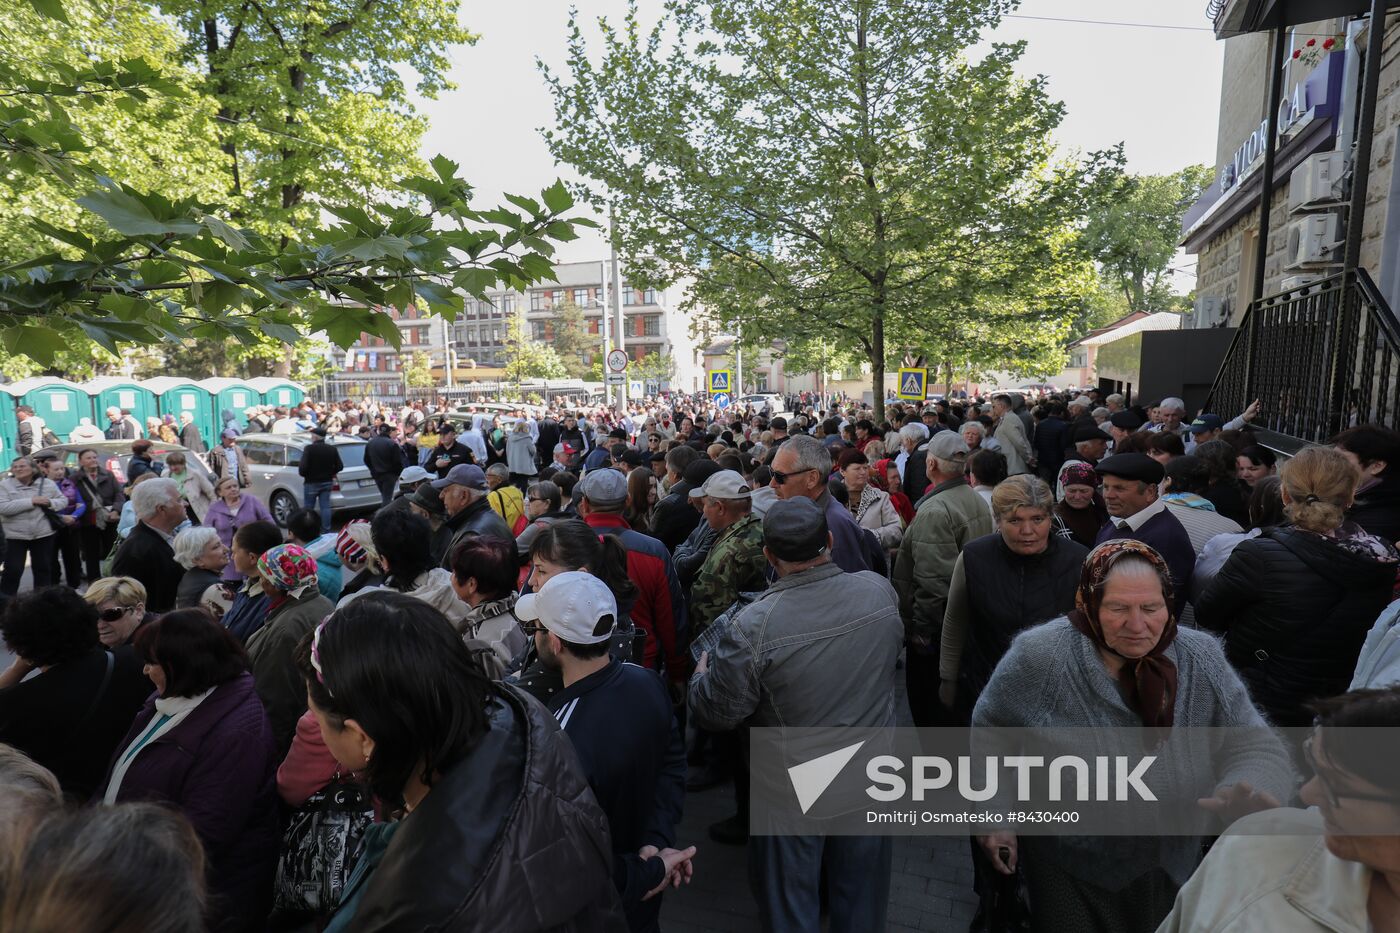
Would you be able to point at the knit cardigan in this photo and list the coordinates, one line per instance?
(1053, 677)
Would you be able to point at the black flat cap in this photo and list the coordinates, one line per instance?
(1087, 432)
(1125, 420)
(795, 529)
(1138, 467)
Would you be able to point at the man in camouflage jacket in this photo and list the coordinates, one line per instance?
(735, 563)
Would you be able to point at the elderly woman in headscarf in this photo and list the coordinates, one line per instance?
(358, 557)
(1118, 661)
(294, 607)
(1081, 511)
(885, 477)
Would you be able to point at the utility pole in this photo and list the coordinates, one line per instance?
(621, 404)
(603, 320)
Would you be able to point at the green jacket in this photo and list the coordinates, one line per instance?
(736, 565)
(949, 516)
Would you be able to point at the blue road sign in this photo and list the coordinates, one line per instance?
(721, 400)
(719, 380)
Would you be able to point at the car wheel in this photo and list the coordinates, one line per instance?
(282, 506)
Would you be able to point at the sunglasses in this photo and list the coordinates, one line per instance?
(530, 628)
(782, 478)
(115, 613)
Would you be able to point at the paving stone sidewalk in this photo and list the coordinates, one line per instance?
(930, 885)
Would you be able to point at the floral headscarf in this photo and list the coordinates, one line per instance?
(1148, 682)
(290, 568)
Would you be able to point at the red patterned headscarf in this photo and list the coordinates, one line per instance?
(1148, 682)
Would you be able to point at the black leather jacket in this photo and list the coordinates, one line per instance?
(511, 838)
(476, 519)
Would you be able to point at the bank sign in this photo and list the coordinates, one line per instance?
(1313, 99)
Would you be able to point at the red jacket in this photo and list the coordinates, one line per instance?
(660, 606)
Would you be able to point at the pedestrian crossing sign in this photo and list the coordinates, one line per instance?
(913, 384)
(720, 380)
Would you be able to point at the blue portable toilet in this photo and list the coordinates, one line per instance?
(233, 395)
(9, 427)
(176, 395)
(277, 391)
(119, 392)
(59, 402)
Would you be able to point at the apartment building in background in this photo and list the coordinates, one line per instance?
(474, 345)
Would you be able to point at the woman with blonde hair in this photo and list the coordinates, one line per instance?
(1295, 603)
(121, 609)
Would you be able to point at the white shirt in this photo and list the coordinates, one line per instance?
(1137, 520)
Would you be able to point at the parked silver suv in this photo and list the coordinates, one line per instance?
(272, 467)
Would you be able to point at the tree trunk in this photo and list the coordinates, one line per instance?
(877, 362)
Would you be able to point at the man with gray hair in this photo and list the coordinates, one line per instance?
(800, 470)
(1173, 414)
(913, 440)
(148, 553)
(949, 515)
(559, 463)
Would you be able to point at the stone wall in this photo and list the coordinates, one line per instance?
(1382, 155)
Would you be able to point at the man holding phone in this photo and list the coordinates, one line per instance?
(449, 452)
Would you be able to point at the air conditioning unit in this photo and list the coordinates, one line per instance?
(1294, 282)
(1313, 240)
(1317, 181)
(1207, 310)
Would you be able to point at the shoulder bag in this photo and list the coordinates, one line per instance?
(320, 847)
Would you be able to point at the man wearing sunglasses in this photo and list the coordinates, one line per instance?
(800, 470)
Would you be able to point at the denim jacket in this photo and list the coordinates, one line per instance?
(776, 664)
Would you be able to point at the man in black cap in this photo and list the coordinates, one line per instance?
(1130, 490)
(777, 663)
(1121, 424)
(1090, 443)
(320, 462)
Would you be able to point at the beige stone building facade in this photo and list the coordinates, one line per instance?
(1308, 210)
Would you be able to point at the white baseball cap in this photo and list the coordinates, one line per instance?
(726, 484)
(571, 605)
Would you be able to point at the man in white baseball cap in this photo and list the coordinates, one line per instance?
(620, 720)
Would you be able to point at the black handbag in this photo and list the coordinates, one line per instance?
(55, 521)
(321, 846)
(1004, 905)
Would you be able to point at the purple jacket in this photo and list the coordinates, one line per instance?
(219, 768)
(226, 523)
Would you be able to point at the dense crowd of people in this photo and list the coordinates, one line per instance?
(483, 706)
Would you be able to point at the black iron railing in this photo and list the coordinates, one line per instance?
(1319, 359)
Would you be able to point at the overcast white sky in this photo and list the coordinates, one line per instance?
(1155, 89)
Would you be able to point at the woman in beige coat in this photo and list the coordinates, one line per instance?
(24, 496)
(871, 507)
(195, 489)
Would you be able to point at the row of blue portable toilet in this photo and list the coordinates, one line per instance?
(62, 404)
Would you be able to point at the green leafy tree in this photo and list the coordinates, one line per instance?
(653, 367)
(842, 164)
(311, 97)
(138, 265)
(418, 371)
(572, 341)
(526, 359)
(1134, 235)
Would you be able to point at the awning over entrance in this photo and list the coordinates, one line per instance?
(1237, 17)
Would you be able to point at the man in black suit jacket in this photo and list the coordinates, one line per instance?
(148, 553)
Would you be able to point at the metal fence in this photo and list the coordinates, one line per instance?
(1320, 358)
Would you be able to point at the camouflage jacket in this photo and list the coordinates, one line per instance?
(736, 564)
